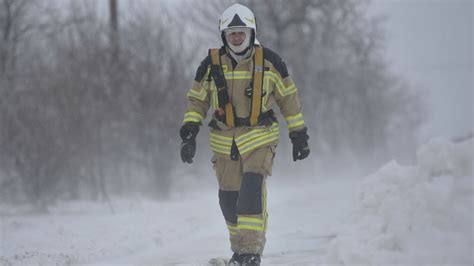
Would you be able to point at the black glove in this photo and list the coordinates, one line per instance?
(188, 133)
(188, 149)
(300, 144)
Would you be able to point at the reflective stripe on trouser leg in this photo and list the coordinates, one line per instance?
(251, 214)
(228, 204)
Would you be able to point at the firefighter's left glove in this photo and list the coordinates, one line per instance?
(188, 133)
(300, 144)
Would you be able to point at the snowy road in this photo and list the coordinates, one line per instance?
(179, 231)
(405, 215)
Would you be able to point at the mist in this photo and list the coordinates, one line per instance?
(90, 111)
(430, 43)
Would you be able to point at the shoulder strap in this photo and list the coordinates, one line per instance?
(223, 97)
(256, 106)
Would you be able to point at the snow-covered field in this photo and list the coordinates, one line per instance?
(405, 215)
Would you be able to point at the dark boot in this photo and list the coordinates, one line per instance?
(236, 260)
(250, 260)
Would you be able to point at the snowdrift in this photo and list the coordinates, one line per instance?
(413, 215)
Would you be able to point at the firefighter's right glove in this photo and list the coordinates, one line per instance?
(188, 133)
(300, 144)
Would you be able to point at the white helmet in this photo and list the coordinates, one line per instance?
(238, 16)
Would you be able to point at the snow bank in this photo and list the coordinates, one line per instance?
(413, 214)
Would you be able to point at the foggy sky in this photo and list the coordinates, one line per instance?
(429, 42)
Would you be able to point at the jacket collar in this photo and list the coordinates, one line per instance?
(233, 59)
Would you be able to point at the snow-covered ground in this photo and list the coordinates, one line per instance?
(406, 215)
(413, 215)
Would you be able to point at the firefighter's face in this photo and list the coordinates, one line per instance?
(236, 38)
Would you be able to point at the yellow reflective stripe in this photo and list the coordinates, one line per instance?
(231, 226)
(251, 21)
(205, 86)
(215, 99)
(223, 138)
(190, 119)
(249, 227)
(296, 124)
(200, 95)
(265, 92)
(272, 128)
(251, 135)
(193, 117)
(232, 229)
(277, 80)
(240, 72)
(295, 120)
(213, 90)
(212, 85)
(250, 223)
(290, 90)
(264, 203)
(220, 149)
(240, 78)
(255, 138)
(259, 142)
(250, 220)
(191, 113)
(238, 75)
(293, 117)
(220, 142)
(284, 91)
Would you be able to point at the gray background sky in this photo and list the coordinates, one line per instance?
(430, 43)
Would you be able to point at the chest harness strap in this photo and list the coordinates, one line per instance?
(225, 106)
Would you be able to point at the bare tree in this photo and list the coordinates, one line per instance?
(90, 105)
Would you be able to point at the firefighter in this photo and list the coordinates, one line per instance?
(241, 82)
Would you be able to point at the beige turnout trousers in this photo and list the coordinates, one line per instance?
(242, 198)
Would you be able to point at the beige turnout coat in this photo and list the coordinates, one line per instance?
(278, 88)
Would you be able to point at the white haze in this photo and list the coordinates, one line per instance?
(430, 42)
(401, 214)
